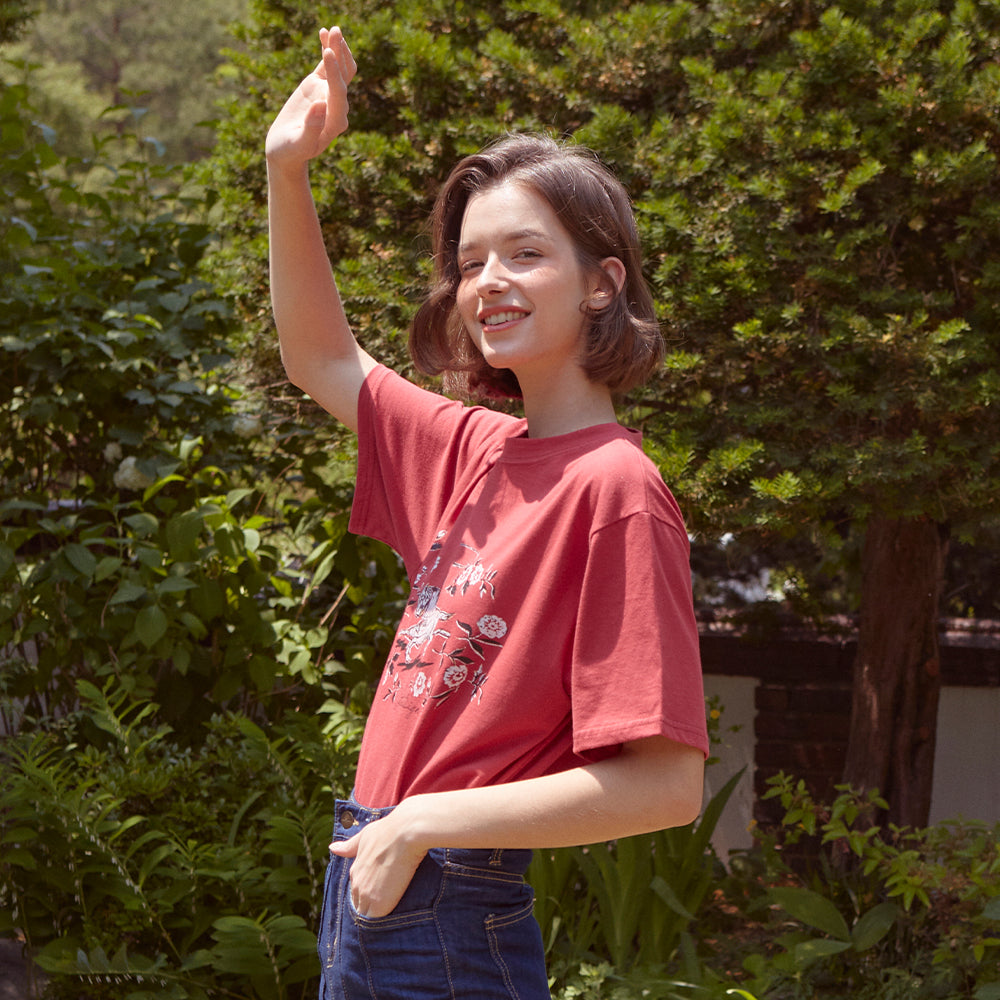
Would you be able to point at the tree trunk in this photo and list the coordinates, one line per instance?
(897, 673)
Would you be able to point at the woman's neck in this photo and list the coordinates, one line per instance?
(566, 405)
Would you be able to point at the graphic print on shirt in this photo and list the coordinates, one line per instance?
(440, 653)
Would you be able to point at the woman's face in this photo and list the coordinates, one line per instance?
(522, 292)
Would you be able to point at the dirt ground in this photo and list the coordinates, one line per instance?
(13, 975)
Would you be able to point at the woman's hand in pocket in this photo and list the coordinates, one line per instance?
(384, 861)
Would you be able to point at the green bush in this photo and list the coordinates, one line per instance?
(157, 524)
(834, 906)
(201, 600)
(137, 865)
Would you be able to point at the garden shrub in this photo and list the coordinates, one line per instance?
(876, 912)
(158, 524)
(137, 865)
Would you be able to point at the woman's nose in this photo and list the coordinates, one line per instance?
(492, 276)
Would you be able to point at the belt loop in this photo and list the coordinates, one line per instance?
(496, 859)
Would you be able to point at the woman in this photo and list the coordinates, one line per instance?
(544, 687)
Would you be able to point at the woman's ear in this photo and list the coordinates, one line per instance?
(609, 282)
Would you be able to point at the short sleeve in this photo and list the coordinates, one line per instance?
(636, 669)
(418, 454)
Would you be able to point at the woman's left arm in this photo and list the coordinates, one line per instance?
(654, 783)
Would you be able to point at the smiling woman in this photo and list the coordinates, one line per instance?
(523, 295)
(572, 710)
(572, 198)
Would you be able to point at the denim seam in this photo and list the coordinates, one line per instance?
(463, 871)
(490, 925)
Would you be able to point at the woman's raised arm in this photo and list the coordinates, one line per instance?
(318, 347)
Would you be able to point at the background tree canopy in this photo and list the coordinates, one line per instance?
(817, 188)
(189, 633)
(169, 59)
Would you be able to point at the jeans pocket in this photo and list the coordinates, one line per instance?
(400, 956)
(418, 901)
(515, 943)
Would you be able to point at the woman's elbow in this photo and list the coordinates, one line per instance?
(675, 780)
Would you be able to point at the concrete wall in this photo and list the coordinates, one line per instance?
(966, 766)
(967, 755)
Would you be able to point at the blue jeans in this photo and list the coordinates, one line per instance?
(464, 929)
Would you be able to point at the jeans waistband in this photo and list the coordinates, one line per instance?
(350, 817)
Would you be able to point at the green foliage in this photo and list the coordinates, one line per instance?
(641, 895)
(165, 61)
(189, 598)
(602, 982)
(113, 347)
(824, 218)
(139, 537)
(14, 18)
(143, 866)
(924, 901)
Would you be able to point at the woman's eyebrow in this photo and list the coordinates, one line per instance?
(511, 237)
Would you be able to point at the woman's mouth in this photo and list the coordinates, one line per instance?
(498, 318)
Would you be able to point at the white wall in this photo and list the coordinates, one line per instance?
(967, 758)
(736, 695)
(966, 763)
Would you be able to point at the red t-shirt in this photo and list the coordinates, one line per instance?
(550, 616)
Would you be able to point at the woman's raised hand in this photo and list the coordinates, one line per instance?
(317, 112)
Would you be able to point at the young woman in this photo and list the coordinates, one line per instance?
(544, 686)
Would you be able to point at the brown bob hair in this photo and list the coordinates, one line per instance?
(622, 341)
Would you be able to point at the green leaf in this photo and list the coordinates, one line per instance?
(150, 625)
(143, 524)
(81, 559)
(662, 889)
(127, 592)
(183, 532)
(106, 567)
(812, 909)
(992, 910)
(811, 951)
(873, 926)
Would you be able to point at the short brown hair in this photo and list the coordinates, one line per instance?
(623, 344)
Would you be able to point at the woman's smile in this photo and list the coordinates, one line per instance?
(494, 319)
(522, 289)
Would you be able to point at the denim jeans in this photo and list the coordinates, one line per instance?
(464, 929)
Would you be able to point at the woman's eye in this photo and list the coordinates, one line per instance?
(467, 267)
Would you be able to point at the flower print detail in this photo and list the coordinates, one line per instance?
(428, 616)
(477, 680)
(473, 574)
(441, 652)
(455, 674)
(492, 627)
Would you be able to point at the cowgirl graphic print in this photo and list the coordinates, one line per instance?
(437, 653)
(549, 618)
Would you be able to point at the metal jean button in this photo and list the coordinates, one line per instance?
(346, 819)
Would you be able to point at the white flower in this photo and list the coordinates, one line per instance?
(419, 684)
(246, 425)
(492, 627)
(128, 475)
(455, 674)
(112, 452)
